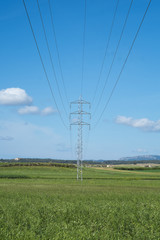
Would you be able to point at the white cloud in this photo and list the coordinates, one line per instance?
(14, 96)
(35, 110)
(48, 111)
(142, 123)
(29, 110)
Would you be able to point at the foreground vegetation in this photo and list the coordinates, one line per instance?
(47, 202)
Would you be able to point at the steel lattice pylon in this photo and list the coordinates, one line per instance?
(80, 123)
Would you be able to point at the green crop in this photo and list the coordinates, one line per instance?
(49, 203)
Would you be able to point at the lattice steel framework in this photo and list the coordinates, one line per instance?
(81, 116)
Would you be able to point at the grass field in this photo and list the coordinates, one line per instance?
(49, 203)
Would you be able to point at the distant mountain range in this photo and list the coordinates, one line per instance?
(142, 157)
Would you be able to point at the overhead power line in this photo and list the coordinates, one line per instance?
(71, 144)
(45, 72)
(113, 60)
(123, 66)
(50, 56)
(106, 50)
(57, 49)
(83, 48)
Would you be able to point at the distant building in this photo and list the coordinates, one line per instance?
(17, 159)
(148, 166)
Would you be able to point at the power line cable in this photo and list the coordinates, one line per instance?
(118, 78)
(46, 75)
(57, 49)
(71, 145)
(86, 144)
(113, 60)
(50, 56)
(83, 49)
(106, 50)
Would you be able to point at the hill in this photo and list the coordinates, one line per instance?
(141, 158)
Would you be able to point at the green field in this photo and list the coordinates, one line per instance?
(47, 202)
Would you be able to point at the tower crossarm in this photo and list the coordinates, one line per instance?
(80, 112)
(80, 123)
(80, 101)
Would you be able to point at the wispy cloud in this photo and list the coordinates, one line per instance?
(143, 123)
(6, 138)
(29, 110)
(14, 96)
(74, 120)
(48, 111)
(30, 140)
(140, 150)
(61, 147)
(35, 110)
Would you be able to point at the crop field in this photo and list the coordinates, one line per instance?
(47, 202)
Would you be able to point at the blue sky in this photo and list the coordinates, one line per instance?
(29, 122)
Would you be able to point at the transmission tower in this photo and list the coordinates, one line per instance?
(80, 121)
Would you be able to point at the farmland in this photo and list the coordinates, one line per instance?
(47, 202)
